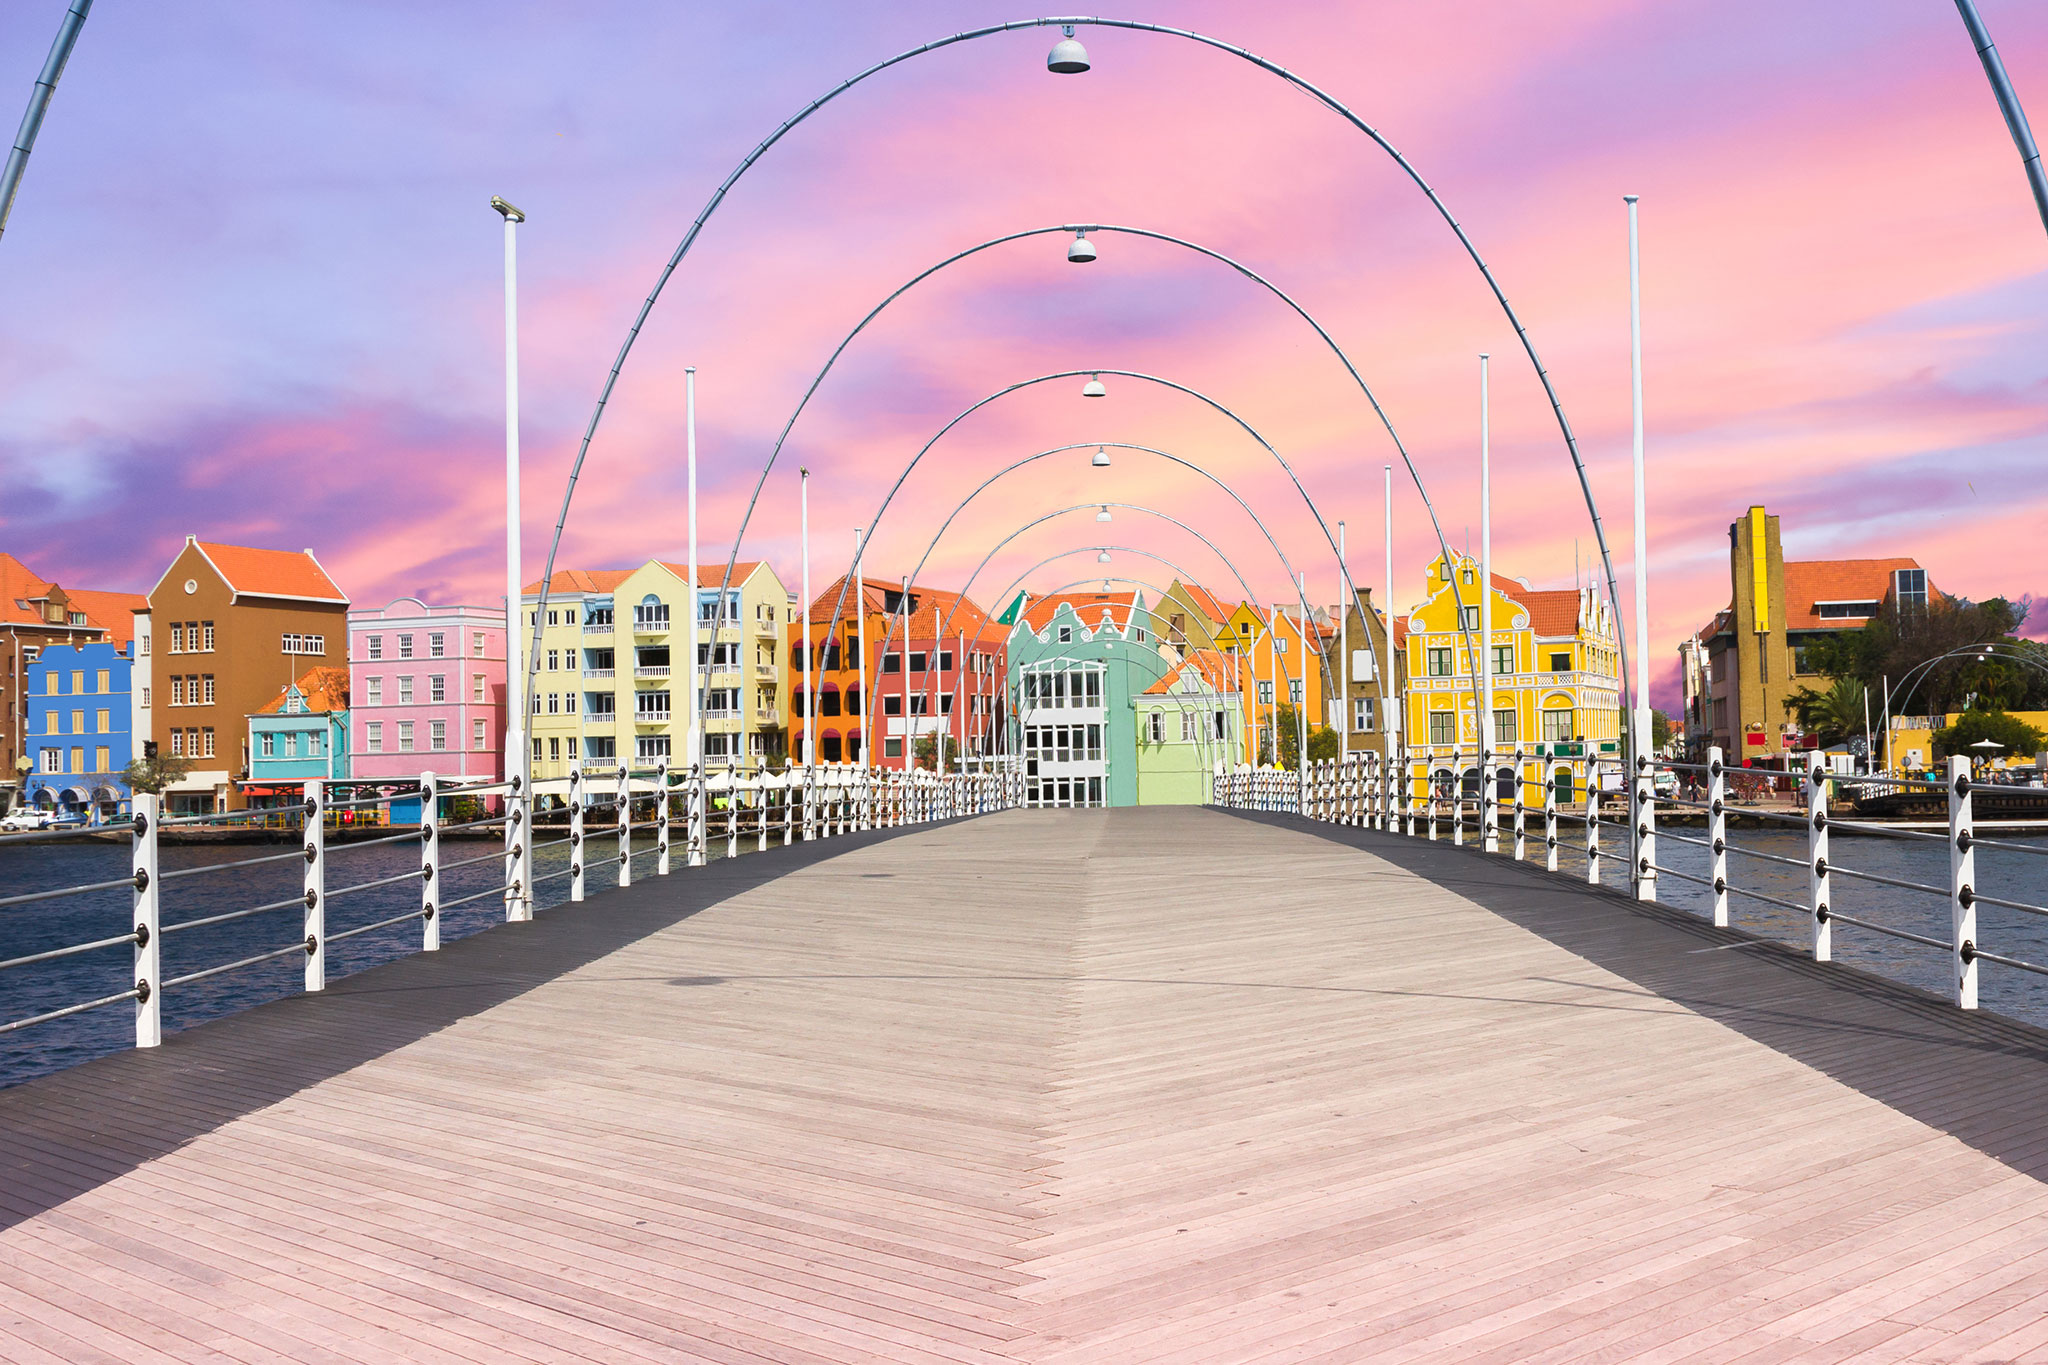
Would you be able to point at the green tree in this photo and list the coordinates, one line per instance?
(1895, 643)
(927, 747)
(154, 773)
(1323, 742)
(2014, 734)
(1833, 715)
(1660, 729)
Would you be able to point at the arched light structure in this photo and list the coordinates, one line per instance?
(1985, 650)
(1068, 23)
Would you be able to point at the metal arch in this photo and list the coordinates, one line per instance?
(1996, 649)
(1464, 632)
(1317, 93)
(1130, 506)
(775, 453)
(2008, 104)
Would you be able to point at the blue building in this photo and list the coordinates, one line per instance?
(78, 726)
(301, 734)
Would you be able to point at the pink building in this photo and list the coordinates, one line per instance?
(426, 691)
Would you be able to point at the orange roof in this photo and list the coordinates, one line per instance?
(271, 573)
(1400, 630)
(566, 581)
(1809, 582)
(313, 687)
(1551, 613)
(1089, 606)
(711, 575)
(1205, 602)
(1212, 664)
(959, 615)
(113, 612)
(19, 587)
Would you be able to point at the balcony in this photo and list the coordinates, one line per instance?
(767, 627)
(765, 672)
(651, 717)
(650, 625)
(722, 713)
(598, 627)
(651, 671)
(600, 672)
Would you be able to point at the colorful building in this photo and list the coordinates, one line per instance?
(1365, 710)
(1280, 655)
(1755, 650)
(1556, 680)
(34, 614)
(425, 692)
(1190, 617)
(78, 724)
(302, 733)
(1189, 724)
(1076, 661)
(225, 629)
(612, 667)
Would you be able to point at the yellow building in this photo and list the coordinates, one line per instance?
(1557, 690)
(612, 667)
(1280, 662)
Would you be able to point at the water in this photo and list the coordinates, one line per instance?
(44, 925)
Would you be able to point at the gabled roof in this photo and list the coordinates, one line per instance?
(1204, 601)
(1089, 606)
(19, 588)
(320, 699)
(568, 581)
(1835, 580)
(113, 612)
(711, 575)
(960, 615)
(1211, 664)
(1553, 612)
(251, 572)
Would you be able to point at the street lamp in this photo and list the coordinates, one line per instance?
(1068, 57)
(1101, 460)
(1102, 558)
(1093, 388)
(518, 758)
(1104, 515)
(1080, 251)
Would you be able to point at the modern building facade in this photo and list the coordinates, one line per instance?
(36, 613)
(1189, 724)
(78, 725)
(225, 629)
(1756, 649)
(1076, 661)
(302, 733)
(425, 693)
(612, 668)
(1556, 681)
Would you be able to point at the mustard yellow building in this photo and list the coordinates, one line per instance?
(1557, 690)
(1279, 661)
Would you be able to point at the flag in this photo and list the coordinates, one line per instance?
(1011, 612)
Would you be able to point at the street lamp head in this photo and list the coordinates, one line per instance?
(1067, 58)
(1080, 251)
(1102, 558)
(1103, 515)
(1093, 388)
(1101, 459)
(512, 215)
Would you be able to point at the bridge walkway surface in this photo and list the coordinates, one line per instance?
(1157, 1084)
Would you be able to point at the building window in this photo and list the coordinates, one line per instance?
(1471, 616)
(373, 737)
(1187, 727)
(1265, 692)
(177, 690)
(435, 645)
(647, 748)
(892, 663)
(312, 744)
(105, 757)
(554, 703)
(650, 706)
(437, 687)
(476, 644)
(374, 646)
(1362, 712)
(405, 736)
(177, 637)
(206, 683)
(892, 748)
(1294, 686)
(404, 689)
(291, 744)
(177, 747)
(1557, 726)
(1561, 661)
(554, 749)
(206, 636)
(208, 733)
(405, 646)
(145, 696)
(1910, 586)
(1439, 663)
(1503, 660)
(536, 748)
(554, 661)
(1155, 724)
(142, 644)
(437, 735)
(53, 759)
(1504, 725)
(476, 687)
(1066, 636)
(892, 705)
(373, 691)
(1443, 728)
(478, 734)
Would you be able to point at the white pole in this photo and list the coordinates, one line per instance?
(1390, 697)
(1488, 797)
(693, 748)
(1869, 742)
(804, 634)
(858, 639)
(1640, 718)
(518, 757)
(1887, 725)
(1343, 690)
(1301, 711)
(904, 675)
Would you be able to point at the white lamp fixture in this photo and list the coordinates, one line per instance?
(1080, 251)
(1101, 460)
(1067, 58)
(1102, 558)
(1103, 515)
(1093, 388)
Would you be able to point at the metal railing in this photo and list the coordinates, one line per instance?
(1514, 812)
(818, 803)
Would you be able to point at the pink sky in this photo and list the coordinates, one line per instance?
(255, 289)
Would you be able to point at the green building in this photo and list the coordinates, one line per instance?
(1076, 660)
(1187, 723)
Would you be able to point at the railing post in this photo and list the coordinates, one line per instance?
(625, 813)
(761, 812)
(316, 887)
(1521, 807)
(576, 831)
(430, 862)
(1549, 822)
(518, 851)
(1643, 812)
(1817, 861)
(661, 814)
(1430, 802)
(1717, 830)
(732, 812)
(1458, 802)
(1962, 876)
(148, 950)
(810, 822)
(1592, 821)
(697, 814)
(1489, 797)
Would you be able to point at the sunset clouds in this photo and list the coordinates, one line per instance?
(254, 285)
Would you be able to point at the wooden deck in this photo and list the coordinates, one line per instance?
(1053, 1086)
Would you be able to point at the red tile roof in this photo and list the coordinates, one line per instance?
(1089, 606)
(325, 689)
(19, 587)
(1809, 582)
(710, 575)
(959, 615)
(566, 581)
(1553, 612)
(272, 573)
(1205, 602)
(113, 612)
(1212, 664)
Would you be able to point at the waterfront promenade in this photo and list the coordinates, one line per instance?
(1153, 1084)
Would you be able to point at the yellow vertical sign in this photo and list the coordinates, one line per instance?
(1760, 569)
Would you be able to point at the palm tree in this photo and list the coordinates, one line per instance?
(1833, 715)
